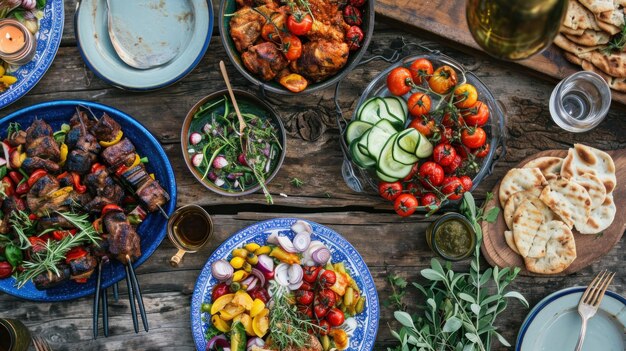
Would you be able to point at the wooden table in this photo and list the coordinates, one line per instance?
(389, 244)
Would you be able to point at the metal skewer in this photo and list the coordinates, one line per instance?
(135, 283)
(131, 300)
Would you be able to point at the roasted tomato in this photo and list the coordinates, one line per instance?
(399, 80)
(430, 199)
(452, 167)
(352, 15)
(473, 138)
(389, 191)
(405, 205)
(326, 298)
(414, 189)
(421, 70)
(292, 47)
(465, 96)
(219, 290)
(443, 79)
(271, 29)
(310, 274)
(327, 279)
(335, 317)
(447, 136)
(424, 125)
(452, 120)
(444, 154)
(324, 327)
(412, 173)
(452, 188)
(299, 23)
(419, 104)
(304, 297)
(477, 115)
(467, 182)
(294, 82)
(354, 37)
(482, 152)
(431, 174)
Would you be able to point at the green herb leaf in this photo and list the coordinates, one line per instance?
(404, 319)
(431, 274)
(492, 215)
(516, 295)
(452, 325)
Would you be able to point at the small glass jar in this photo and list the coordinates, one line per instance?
(14, 336)
(451, 237)
(24, 50)
(189, 229)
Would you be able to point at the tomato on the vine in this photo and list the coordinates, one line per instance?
(335, 317)
(272, 28)
(447, 136)
(414, 189)
(306, 310)
(320, 311)
(352, 15)
(465, 95)
(405, 205)
(467, 182)
(477, 115)
(419, 104)
(311, 273)
(431, 174)
(304, 297)
(424, 125)
(327, 279)
(219, 290)
(450, 121)
(473, 138)
(398, 81)
(299, 23)
(324, 327)
(421, 69)
(354, 37)
(412, 173)
(453, 188)
(452, 167)
(325, 298)
(443, 79)
(482, 152)
(292, 47)
(444, 154)
(389, 191)
(430, 199)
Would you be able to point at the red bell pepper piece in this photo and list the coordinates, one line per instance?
(37, 244)
(74, 254)
(121, 170)
(35, 176)
(32, 216)
(81, 189)
(9, 188)
(62, 175)
(16, 177)
(80, 280)
(22, 189)
(96, 167)
(110, 208)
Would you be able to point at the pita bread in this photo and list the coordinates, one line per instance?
(613, 64)
(508, 236)
(516, 200)
(589, 38)
(527, 220)
(519, 179)
(560, 250)
(561, 41)
(578, 17)
(568, 200)
(618, 84)
(609, 28)
(600, 218)
(594, 187)
(614, 16)
(570, 31)
(597, 6)
(572, 58)
(583, 159)
(549, 166)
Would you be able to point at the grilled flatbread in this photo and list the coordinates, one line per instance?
(560, 250)
(614, 16)
(618, 84)
(549, 166)
(578, 17)
(568, 200)
(516, 200)
(520, 179)
(609, 28)
(508, 236)
(598, 6)
(527, 220)
(561, 41)
(594, 187)
(600, 218)
(572, 58)
(590, 38)
(583, 159)
(570, 31)
(613, 64)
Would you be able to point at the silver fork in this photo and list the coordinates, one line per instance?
(590, 301)
(41, 344)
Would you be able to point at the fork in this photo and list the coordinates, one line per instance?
(590, 301)
(41, 344)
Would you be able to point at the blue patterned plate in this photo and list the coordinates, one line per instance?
(342, 251)
(152, 230)
(48, 41)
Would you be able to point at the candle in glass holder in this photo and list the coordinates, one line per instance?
(17, 44)
(11, 39)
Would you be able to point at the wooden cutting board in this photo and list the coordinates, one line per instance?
(589, 248)
(446, 20)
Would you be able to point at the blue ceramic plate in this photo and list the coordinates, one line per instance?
(152, 230)
(554, 324)
(48, 41)
(195, 26)
(342, 251)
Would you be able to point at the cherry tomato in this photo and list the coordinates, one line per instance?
(419, 104)
(7, 184)
(325, 298)
(335, 317)
(320, 311)
(354, 37)
(261, 294)
(299, 23)
(389, 191)
(269, 32)
(421, 68)
(414, 189)
(444, 154)
(306, 310)
(473, 137)
(311, 273)
(304, 297)
(432, 173)
(447, 136)
(327, 278)
(294, 82)
(425, 126)
(412, 173)
(452, 167)
(405, 205)
(477, 115)
(306, 286)
(398, 81)
(450, 121)
(357, 3)
(443, 79)
(271, 29)
(430, 199)
(465, 95)
(482, 152)
(5, 269)
(324, 327)
(467, 182)
(453, 188)
(461, 151)
(292, 47)
(352, 15)
(219, 290)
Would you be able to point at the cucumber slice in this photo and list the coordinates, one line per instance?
(424, 148)
(402, 156)
(386, 163)
(377, 138)
(386, 178)
(384, 113)
(397, 107)
(387, 126)
(409, 139)
(362, 143)
(355, 130)
(368, 112)
(359, 158)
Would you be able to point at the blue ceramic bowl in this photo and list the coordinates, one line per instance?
(341, 250)
(152, 230)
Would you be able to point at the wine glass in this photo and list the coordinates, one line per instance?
(514, 29)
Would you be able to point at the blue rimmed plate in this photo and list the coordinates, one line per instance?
(554, 324)
(342, 251)
(48, 41)
(194, 24)
(151, 231)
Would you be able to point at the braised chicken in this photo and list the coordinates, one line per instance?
(245, 27)
(321, 59)
(264, 60)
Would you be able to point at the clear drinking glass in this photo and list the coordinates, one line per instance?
(580, 102)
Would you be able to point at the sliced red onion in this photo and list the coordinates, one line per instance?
(7, 153)
(195, 138)
(242, 159)
(197, 159)
(219, 182)
(286, 244)
(248, 280)
(302, 241)
(253, 284)
(212, 176)
(2, 162)
(302, 227)
(273, 238)
(295, 274)
(217, 341)
(220, 162)
(222, 270)
(257, 273)
(254, 342)
(296, 286)
(281, 274)
(321, 255)
(265, 264)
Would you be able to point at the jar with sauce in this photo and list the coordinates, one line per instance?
(189, 229)
(451, 236)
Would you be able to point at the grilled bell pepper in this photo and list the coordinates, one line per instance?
(284, 256)
(81, 189)
(35, 176)
(116, 140)
(74, 254)
(96, 167)
(64, 151)
(110, 208)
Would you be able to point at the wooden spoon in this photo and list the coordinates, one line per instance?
(242, 123)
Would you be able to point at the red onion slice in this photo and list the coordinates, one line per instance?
(222, 270)
(286, 244)
(281, 275)
(302, 227)
(321, 255)
(217, 341)
(302, 241)
(265, 264)
(295, 274)
(252, 284)
(257, 273)
(254, 342)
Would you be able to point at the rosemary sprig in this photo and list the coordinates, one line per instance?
(297, 182)
(23, 227)
(617, 43)
(288, 328)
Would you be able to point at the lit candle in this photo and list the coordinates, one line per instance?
(11, 39)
